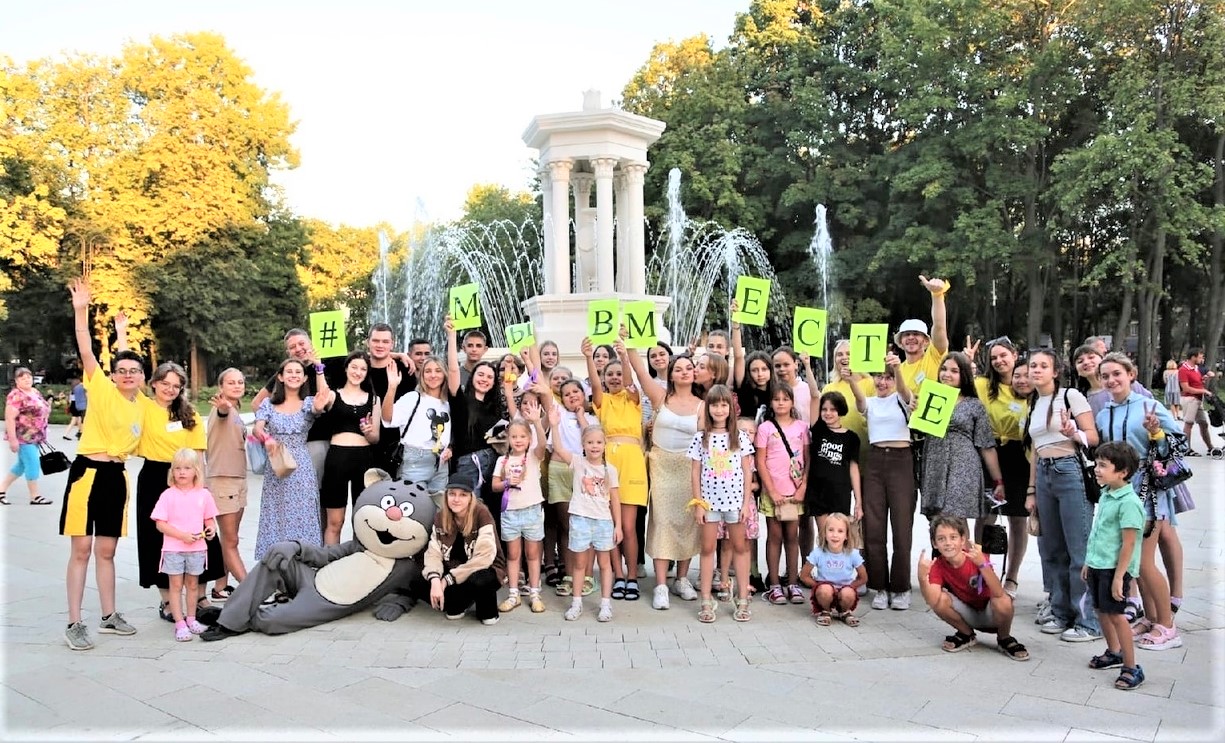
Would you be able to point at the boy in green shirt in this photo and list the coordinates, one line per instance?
(1112, 559)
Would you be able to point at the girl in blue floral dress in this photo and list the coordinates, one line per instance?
(289, 507)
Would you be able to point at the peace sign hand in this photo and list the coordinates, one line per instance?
(1068, 425)
(971, 348)
(1151, 423)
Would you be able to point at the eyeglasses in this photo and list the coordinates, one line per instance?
(168, 386)
(128, 371)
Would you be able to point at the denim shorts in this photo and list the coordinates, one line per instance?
(523, 522)
(183, 563)
(586, 532)
(723, 517)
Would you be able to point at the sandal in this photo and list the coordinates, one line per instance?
(823, 618)
(225, 593)
(1129, 678)
(1140, 627)
(1012, 648)
(3, 500)
(588, 586)
(742, 612)
(163, 611)
(1108, 659)
(631, 590)
(552, 574)
(38, 500)
(850, 619)
(957, 642)
(1133, 612)
(707, 613)
(565, 587)
(724, 591)
(618, 589)
(182, 634)
(1160, 638)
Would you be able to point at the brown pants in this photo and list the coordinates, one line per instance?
(889, 499)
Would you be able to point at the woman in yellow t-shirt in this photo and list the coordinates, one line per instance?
(95, 509)
(1006, 411)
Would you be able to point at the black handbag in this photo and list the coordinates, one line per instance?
(1169, 469)
(1088, 464)
(51, 460)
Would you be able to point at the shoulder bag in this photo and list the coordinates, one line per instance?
(51, 460)
(1084, 454)
(397, 454)
(789, 510)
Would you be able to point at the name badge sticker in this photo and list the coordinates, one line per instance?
(174, 426)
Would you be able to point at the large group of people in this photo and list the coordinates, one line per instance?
(542, 477)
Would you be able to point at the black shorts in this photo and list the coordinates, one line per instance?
(95, 500)
(1099, 590)
(344, 472)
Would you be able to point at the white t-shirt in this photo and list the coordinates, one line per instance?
(886, 419)
(528, 493)
(431, 425)
(591, 488)
(571, 433)
(1043, 435)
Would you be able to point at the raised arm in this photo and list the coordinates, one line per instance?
(895, 365)
(121, 331)
(79, 289)
(559, 444)
(323, 393)
(940, 328)
(861, 402)
(654, 392)
(814, 387)
(452, 356)
(593, 376)
(623, 358)
(388, 406)
(737, 349)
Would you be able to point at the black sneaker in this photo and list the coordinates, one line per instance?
(756, 583)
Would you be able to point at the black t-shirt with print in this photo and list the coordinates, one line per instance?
(831, 454)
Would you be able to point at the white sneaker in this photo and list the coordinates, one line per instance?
(899, 601)
(605, 614)
(684, 589)
(880, 600)
(1052, 626)
(490, 621)
(1078, 634)
(659, 597)
(574, 612)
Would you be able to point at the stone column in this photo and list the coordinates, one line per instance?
(546, 224)
(559, 175)
(584, 232)
(603, 167)
(635, 269)
(623, 224)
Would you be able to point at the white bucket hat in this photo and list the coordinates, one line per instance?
(911, 326)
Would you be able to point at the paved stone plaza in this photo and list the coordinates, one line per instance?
(647, 675)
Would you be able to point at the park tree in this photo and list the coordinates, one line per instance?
(153, 151)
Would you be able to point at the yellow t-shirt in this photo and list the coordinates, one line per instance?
(620, 415)
(160, 438)
(927, 367)
(113, 425)
(1006, 412)
(853, 420)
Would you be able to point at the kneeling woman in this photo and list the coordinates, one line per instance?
(464, 564)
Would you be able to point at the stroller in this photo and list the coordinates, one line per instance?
(1215, 408)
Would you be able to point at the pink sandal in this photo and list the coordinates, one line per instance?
(1140, 628)
(1161, 638)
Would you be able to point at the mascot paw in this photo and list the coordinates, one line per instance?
(391, 608)
(280, 554)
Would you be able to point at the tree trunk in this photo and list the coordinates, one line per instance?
(196, 371)
(1037, 301)
(1150, 298)
(1216, 279)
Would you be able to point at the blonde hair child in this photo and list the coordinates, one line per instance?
(186, 515)
(835, 571)
(595, 514)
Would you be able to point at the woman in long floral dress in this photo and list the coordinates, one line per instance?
(289, 507)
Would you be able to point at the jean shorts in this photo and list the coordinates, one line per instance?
(183, 563)
(586, 532)
(523, 522)
(723, 517)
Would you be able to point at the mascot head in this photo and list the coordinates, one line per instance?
(393, 519)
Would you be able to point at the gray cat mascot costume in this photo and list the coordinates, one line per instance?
(391, 528)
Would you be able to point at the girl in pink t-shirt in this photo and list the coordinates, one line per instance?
(187, 515)
(782, 465)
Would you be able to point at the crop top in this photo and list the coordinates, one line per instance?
(344, 417)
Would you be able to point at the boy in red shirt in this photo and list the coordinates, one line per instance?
(961, 587)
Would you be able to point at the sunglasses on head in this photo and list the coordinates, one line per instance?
(1002, 339)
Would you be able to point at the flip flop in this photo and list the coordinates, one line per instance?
(3, 500)
(38, 500)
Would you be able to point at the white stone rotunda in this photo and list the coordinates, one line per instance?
(605, 148)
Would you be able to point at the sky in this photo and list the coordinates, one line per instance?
(400, 107)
